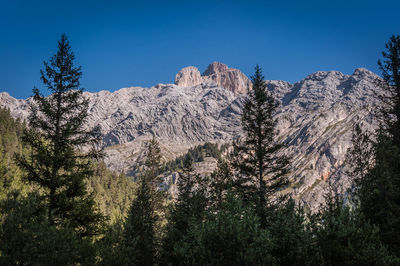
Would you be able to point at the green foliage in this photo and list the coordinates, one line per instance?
(390, 67)
(190, 205)
(197, 154)
(262, 171)
(110, 249)
(134, 241)
(379, 192)
(113, 192)
(359, 159)
(292, 236)
(56, 132)
(27, 238)
(10, 174)
(220, 183)
(139, 241)
(153, 162)
(345, 237)
(230, 236)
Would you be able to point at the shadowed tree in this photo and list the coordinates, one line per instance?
(359, 158)
(261, 167)
(390, 67)
(153, 162)
(57, 163)
(220, 183)
(139, 234)
(379, 189)
(190, 205)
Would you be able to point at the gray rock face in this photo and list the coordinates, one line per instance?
(315, 119)
(216, 73)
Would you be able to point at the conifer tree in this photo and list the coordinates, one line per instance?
(220, 183)
(261, 166)
(230, 236)
(379, 192)
(139, 235)
(190, 205)
(359, 158)
(390, 95)
(346, 237)
(153, 162)
(57, 132)
(379, 189)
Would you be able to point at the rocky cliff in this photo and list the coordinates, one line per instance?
(316, 117)
(216, 73)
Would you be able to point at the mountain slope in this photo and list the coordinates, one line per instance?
(315, 120)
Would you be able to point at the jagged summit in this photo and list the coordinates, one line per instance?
(218, 73)
(214, 68)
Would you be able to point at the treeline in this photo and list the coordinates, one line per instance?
(236, 216)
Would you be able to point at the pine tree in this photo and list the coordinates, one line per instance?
(359, 158)
(190, 205)
(261, 166)
(390, 95)
(153, 162)
(346, 237)
(57, 132)
(220, 183)
(379, 189)
(230, 236)
(139, 236)
(379, 192)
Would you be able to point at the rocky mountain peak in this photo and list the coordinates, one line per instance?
(214, 68)
(218, 73)
(188, 76)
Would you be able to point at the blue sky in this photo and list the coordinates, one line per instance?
(142, 43)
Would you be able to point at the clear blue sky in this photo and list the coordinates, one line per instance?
(142, 43)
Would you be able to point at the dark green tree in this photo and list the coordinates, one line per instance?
(190, 205)
(153, 162)
(57, 134)
(220, 183)
(261, 167)
(139, 242)
(230, 235)
(379, 192)
(379, 189)
(27, 238)
(390, 95)
(359, 158)
(292, 235)
(345, 237)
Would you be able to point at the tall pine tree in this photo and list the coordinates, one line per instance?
(57, 134)
(220, 183)
(359, 158)
(139, 235)
(261, 166)
(379, 189)
(390, 67)
(189, 206)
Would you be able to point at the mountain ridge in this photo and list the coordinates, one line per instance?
(315, 119)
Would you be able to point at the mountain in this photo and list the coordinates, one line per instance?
(229, 78)
(316, 117)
